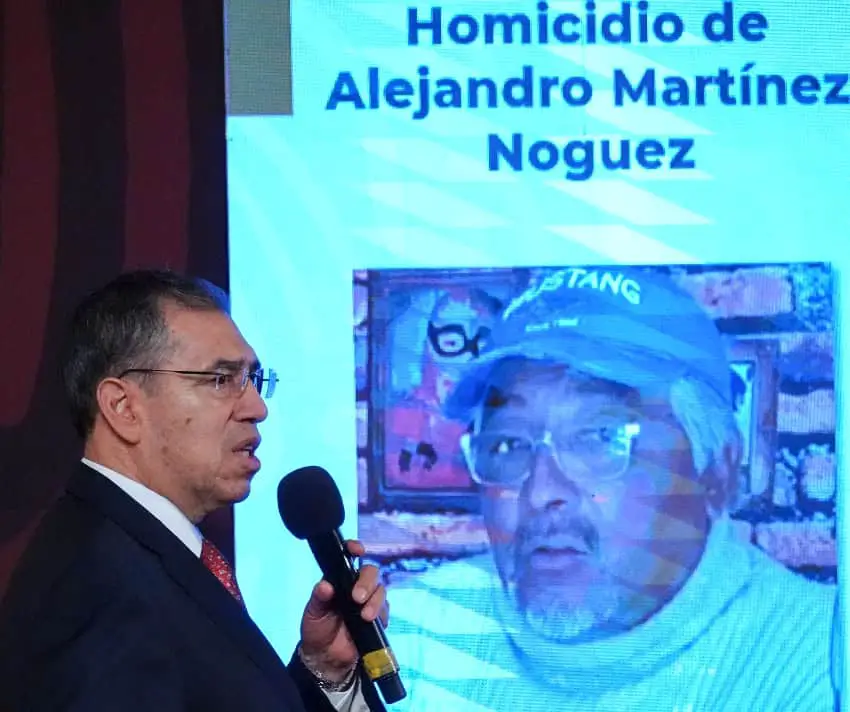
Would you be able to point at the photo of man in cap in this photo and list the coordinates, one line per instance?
(603, 438)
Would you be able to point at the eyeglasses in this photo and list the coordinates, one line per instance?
(231, 383)
(506, 460)
(451, 340)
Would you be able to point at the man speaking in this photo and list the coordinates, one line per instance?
(119, 602)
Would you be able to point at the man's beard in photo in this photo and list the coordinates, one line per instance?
(551, 615)
(555, 607)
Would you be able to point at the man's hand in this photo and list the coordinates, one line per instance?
(326, 646)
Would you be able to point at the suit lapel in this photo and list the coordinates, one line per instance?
(186, 570)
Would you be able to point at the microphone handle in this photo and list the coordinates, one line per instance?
(378, 660)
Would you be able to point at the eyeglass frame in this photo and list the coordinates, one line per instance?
(248, 375)
(470, 345)
(547, 440)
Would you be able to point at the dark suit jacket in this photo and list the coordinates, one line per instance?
(108, 610)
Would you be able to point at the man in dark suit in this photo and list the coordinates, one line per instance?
(120, 603)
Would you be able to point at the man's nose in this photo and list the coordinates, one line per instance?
(549, 486)
(251, 405)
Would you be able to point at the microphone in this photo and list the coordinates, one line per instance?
(311, 508)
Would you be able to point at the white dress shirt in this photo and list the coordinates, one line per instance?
(182, 527)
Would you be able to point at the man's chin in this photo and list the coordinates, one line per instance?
(570, 622)
(244, 492)
(238, 490)
(566, 627)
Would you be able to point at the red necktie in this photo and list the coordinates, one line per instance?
(214, 560)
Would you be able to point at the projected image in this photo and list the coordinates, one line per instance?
(603, 488)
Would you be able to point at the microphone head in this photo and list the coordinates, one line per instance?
(309, 502)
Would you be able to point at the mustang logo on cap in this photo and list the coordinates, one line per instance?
(616, 283)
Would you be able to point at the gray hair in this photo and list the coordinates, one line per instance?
(709, 423)
(122, 326)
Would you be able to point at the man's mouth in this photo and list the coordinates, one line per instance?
(547, 550)
(557, 553)
(248, 447)
(557, 560)
(559, 543)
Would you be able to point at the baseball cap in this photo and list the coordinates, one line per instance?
(629, 325)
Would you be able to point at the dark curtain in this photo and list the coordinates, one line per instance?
(112, 156)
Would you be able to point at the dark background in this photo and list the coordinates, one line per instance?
(112, 157)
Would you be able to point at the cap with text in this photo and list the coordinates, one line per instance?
(628, 325)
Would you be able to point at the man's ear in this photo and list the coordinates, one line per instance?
(119, 405)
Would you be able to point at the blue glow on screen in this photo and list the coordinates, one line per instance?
(338, 211)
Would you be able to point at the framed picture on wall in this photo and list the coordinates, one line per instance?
(754, 399)
(424, 330)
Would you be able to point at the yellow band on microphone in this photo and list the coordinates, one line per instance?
(379, 663)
